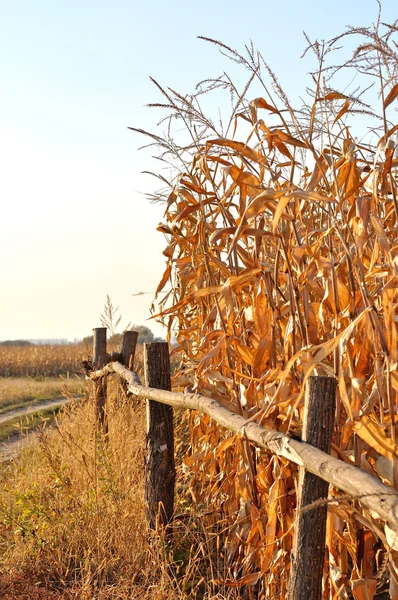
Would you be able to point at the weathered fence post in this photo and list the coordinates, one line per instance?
(309, 545)
(99, 361)
(129, 344)
(159, 455)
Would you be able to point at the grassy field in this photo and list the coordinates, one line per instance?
(72, 516)
(16, 392)
(22, 392)
(31, 375)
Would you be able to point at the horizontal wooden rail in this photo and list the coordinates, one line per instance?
(371, 493)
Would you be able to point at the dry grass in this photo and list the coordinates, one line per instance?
(72, 516)
(72, 509)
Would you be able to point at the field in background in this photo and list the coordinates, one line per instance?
(43, 360)
(16, 392)
(32, 375)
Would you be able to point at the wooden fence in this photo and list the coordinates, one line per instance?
(318, 468)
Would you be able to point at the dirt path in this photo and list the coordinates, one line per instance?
(10, 447)
(21, 412)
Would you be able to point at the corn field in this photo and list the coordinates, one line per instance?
(282, 258)
(42, 360)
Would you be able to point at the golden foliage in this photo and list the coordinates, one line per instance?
(283, 260)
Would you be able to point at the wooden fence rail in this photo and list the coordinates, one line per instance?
(311, 454)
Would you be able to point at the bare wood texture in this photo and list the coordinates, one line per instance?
(159, 455)
(109, 368)
(129, 345)
(309, 546)
(99, 360)
(372, 493)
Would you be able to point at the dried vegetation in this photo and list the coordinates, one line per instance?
(72, 523)
(282, 254)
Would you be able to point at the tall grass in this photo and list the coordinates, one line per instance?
(72, 515)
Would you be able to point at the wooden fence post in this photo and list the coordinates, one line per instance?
(129, 344)
(99, 361)
(159, 455)
(309, 546)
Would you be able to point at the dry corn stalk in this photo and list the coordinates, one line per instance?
(283, 258)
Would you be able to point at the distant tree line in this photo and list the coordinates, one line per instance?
(16, 343)
(144, 335)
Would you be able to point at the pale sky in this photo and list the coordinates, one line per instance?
(75, 225)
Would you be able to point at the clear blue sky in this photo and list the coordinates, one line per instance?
(73, 77)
